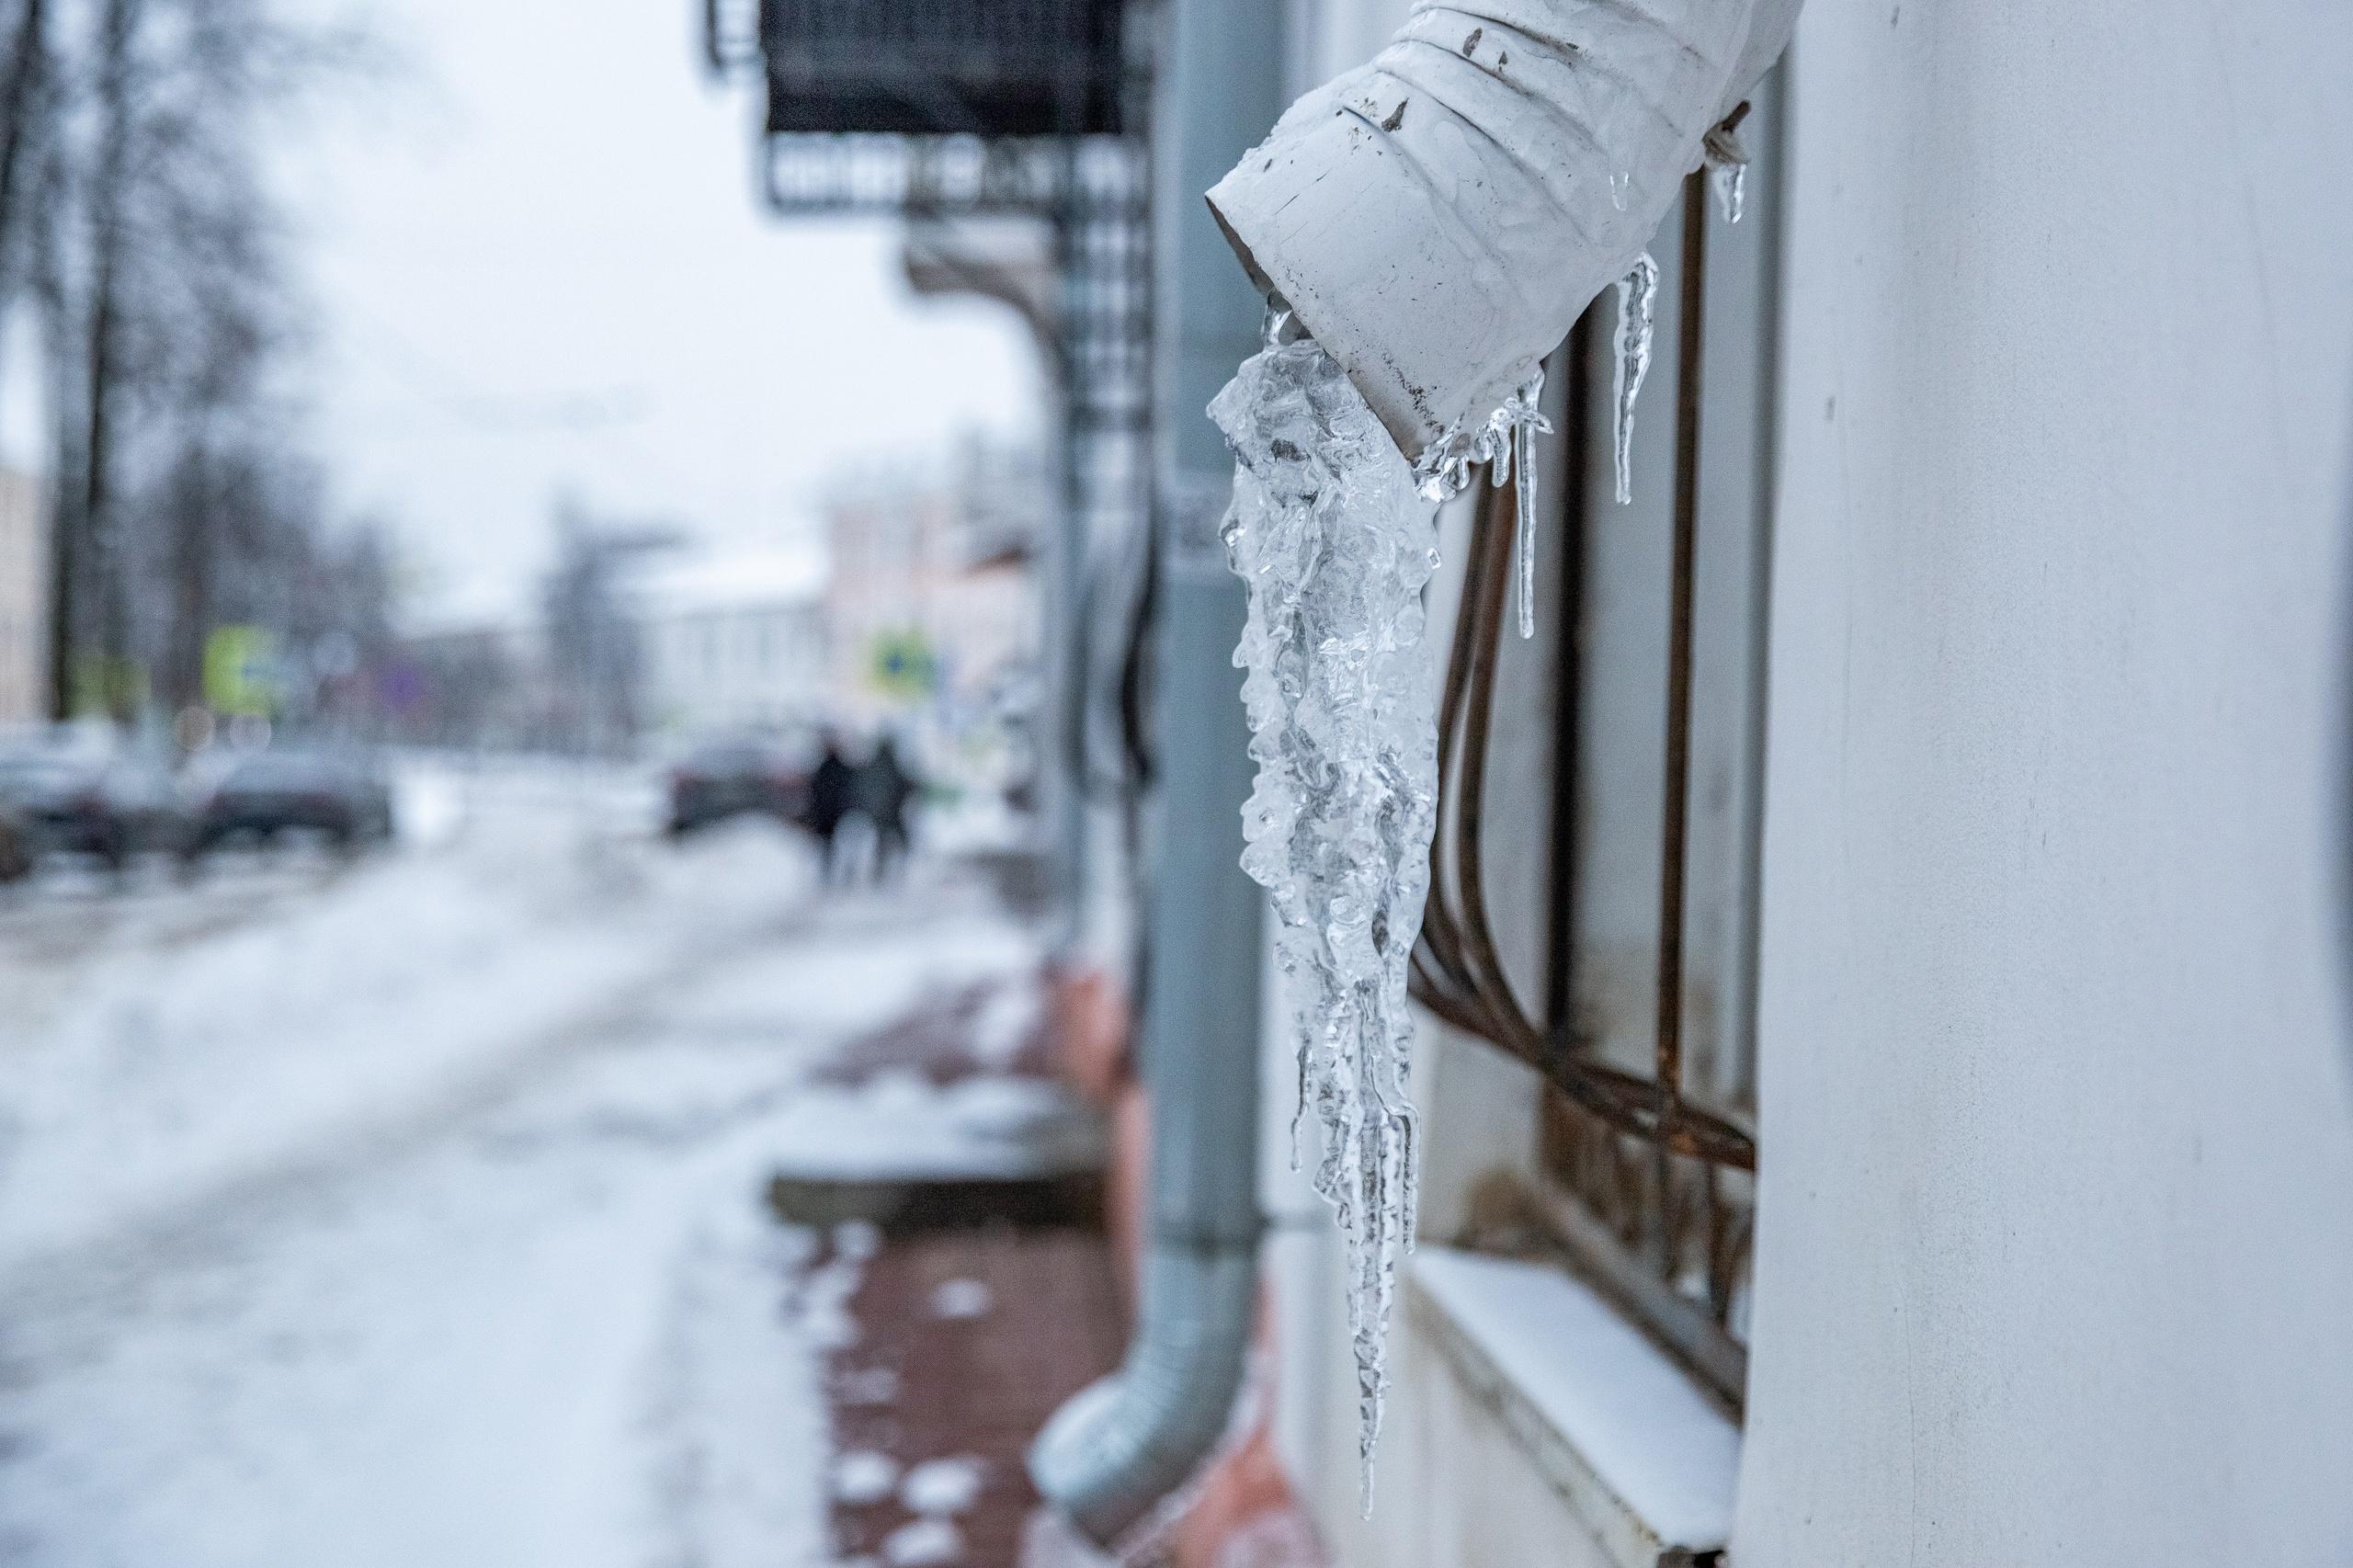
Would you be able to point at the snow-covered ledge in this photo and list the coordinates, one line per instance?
(1635, 1451)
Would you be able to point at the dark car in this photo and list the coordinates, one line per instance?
(273, 793)
(80, 801)
(725, 779)
(15, 847)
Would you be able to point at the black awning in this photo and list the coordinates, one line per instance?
(985, 68)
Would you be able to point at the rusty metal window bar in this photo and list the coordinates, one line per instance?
(1648, 1143)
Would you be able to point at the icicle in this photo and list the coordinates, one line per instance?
(1727, 163)
(1730, 182)
(1507, 443)
(1618, 185)
(1329, 533)
(1523, 461)
(1335, 537)
(1637, 300)
(1508, 446)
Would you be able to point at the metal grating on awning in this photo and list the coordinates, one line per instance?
(983, 68)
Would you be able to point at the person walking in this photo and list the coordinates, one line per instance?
(830, 788)
(884, 789)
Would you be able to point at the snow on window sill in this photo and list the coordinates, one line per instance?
(1632, 1447)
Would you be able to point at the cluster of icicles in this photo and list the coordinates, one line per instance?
(1336, 536)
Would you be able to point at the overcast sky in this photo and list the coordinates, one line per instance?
(539, 264)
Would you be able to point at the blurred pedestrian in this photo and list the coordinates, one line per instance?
(831, 788)
(884, 789)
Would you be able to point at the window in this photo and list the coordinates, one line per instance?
(1626, 741)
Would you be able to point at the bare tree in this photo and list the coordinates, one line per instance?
(161, 274)
(23, 89)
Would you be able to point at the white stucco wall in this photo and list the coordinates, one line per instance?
(2056, 1254)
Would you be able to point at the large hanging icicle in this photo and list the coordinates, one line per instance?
(1336, 546)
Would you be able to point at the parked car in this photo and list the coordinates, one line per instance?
(269, 794)
(15, 847)
(91, 800)
(735, 775)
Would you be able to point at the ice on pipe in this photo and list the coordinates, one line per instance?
(1727, 162)
(1637, 306)
(1335, 541)
(1507, 443)
(1730, 182)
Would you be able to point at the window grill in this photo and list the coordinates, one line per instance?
(1651, 1157)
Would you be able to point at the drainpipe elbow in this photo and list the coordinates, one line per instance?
(1120, 1458)
(1438, 218)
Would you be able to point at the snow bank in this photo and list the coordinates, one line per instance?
(169, 1071)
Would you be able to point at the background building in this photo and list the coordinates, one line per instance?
(733, 642)
(931, 606)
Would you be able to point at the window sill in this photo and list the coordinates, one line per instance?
(1636, 1451)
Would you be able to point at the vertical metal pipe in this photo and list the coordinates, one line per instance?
(1675, 814)
(1112, 1456)
(1574, 373)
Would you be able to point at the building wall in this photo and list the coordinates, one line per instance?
(2056, 1224)
(2057, 1210)
(909, 559)
(734, 667)
(24, 619)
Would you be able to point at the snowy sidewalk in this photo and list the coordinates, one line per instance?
(421, 1218)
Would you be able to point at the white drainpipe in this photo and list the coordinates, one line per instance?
(1439, 218)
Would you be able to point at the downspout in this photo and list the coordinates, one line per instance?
(1111, 1456)
(1111, 1460)
(1437, 219)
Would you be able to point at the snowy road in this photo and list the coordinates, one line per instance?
(409, 1213)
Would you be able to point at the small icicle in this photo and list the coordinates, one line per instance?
(1506, 444)
(1637, 300)
(1509, 447)
(1727, 163)
(1523, 462)
(1730, 182)
(1617, 187)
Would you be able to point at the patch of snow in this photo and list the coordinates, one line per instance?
(868, 1386)
(858, 1239)
(416, 1208)
(823, 1302)
(896, 1126)
(864, 1476)
(1007, 1020)
(923, 1542)
(954, 1299)
(1628, 1412)
(394, 996)
(946, 1487)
